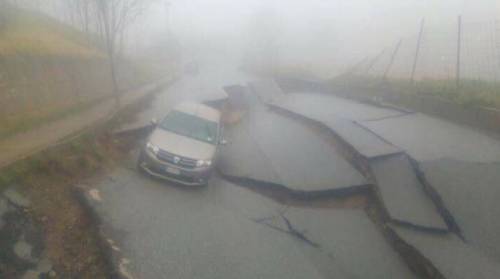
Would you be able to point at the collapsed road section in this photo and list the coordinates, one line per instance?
(400, 191)
(414, 204)
(275, 150)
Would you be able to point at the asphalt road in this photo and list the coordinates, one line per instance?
(159, 230)
(459, 162)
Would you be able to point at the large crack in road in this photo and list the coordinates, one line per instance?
(339, 226)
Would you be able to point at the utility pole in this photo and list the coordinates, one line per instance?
(417, 51)
(459, 46)
(167, 16)
(392, 59)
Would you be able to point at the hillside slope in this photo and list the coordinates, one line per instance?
(49, 70)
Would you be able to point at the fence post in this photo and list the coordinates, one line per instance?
(459, 46)
(392, 59)
(417, 51)
(374, 60)
(354, 68)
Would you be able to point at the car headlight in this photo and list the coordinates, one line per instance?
(153, 148)
(203, 163)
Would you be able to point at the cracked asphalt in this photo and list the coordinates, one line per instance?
(159, 230)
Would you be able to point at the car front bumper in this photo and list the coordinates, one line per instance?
(177, 174)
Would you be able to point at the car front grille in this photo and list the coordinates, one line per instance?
(176, 160)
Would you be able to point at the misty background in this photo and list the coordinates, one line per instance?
(317, 36)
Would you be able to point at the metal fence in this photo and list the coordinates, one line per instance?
(460, 50)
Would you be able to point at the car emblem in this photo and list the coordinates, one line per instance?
(177, 160)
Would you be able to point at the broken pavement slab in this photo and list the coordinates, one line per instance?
(447, 253)
(349, 238)
(284, 159)
(427, 138)
(323, 106)
(470, 191)
(267, 90)
(364, 141)
(401, 192)
(242, 157)
(403, 195)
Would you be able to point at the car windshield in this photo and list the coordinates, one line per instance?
(190, 126)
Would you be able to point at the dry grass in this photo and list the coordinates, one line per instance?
(29, 33)
(471, 92)
(70, 232)
(49, 70)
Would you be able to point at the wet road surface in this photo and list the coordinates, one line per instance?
(460, 164)
(285, 152)
(160, 230)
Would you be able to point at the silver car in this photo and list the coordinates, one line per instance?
(183, 146)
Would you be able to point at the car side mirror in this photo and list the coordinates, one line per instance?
(154, 122)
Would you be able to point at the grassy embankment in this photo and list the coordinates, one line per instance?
(49, 70)
(471, 93)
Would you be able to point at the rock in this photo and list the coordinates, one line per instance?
(44, 266)
(16, 198)
(22, 250)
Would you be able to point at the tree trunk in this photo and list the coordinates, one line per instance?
(116, 91)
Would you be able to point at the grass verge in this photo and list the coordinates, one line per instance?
(472, 93)
(27, 121)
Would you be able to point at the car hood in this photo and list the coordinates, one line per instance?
(181, 145)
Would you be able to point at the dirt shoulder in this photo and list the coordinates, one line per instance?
(47, 227)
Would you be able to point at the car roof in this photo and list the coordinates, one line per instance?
(200, 110)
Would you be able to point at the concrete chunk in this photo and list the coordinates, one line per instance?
(16, 198)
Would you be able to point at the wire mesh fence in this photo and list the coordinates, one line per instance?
(437, 52)
(457, 60)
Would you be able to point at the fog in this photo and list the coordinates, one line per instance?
(328, 36)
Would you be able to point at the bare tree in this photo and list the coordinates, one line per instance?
(79, 13)
(115, 16)
(3, 15)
